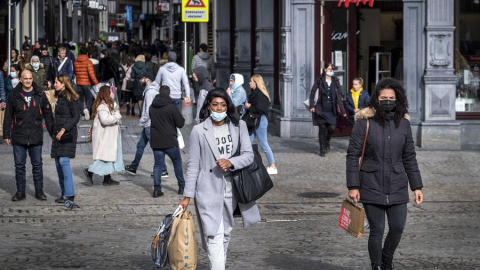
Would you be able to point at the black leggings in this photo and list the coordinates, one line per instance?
(397, 216)
(325, 133)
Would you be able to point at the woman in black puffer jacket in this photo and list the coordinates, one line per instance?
(389, 165)
(64, 144)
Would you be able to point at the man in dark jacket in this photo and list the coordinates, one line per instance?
(23, 128)
(49, 65)
(165, 119)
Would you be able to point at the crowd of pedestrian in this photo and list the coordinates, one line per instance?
(104, 77)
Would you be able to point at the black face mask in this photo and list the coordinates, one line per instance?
(388, 105)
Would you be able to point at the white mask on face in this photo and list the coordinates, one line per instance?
(330, 73)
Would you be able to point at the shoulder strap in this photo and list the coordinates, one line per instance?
(364, 144)
(61, 64)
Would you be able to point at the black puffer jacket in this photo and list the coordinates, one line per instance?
(166, 118)
(67, 115)
(50, 68)
(24, 124)
(108, 69)
(390, 162)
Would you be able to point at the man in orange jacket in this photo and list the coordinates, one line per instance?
(85, 75)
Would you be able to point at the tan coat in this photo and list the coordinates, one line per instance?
(104, 134)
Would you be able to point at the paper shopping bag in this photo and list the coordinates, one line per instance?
(52, 99)
(352, 218)
(182, 245)
(2, 116)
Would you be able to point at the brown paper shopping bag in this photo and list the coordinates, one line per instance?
(2, 116)
(52, 99)
(352, 218)
(182, 245)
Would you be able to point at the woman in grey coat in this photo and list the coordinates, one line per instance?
(212, 143)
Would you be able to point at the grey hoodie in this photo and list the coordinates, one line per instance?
(173, 75)
(149, 94)
(206, 60)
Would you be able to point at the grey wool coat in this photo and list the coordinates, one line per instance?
(204, 179)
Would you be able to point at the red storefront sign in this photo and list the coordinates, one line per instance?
(357, 2)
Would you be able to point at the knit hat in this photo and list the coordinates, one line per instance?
(172, 56)
(43, 47)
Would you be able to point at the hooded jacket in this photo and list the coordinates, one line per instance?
(139, 68)
(362, 100)
(23, 124)
(204, 59)
(174, 76)
(149, 94)
(84, 71)
(38, 75)
(165, 119)
(389, 162)
(238, 95)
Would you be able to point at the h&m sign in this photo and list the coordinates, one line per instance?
(357, 2)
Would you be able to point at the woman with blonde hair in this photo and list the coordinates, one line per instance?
(256, 118)
(106, 138)
(64, 144)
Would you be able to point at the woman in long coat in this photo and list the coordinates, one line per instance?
(64, 144)
(106, 138)
(208, 180)
(389, 166)
(325, 100)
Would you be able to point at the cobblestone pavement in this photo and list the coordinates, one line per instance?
(115, 225)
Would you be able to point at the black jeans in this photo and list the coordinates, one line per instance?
(397, 216)
(325, 133)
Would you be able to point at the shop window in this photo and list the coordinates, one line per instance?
(467, 59)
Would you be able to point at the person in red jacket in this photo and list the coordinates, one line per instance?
(85, 80)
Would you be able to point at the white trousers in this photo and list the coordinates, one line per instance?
(217, 245)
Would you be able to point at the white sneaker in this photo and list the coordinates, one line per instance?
(87, 114)
(271, 170)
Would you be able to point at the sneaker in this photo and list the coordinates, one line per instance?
(89, 175)
(18, 196)
(271, 170)
(157, 193)
(87, 114)
(40, 195)
(165, 175)
(130, 170)
(180, 191)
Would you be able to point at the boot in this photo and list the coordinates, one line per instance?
(108, 181)
(322, 147)
(60, 200)
(128, 109)
(327, 147)
(133, 110)
(70, 198)
(387, 264)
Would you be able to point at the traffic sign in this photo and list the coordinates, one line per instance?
(195, 10)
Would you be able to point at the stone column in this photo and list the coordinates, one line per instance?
(222, 22)
(264, 43)
(439, 129)
(297, 66)
(243, 49)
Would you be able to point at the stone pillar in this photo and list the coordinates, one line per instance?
(439, 129)
(264, 43)
(243, 49)
(222, 22)
(297, 66)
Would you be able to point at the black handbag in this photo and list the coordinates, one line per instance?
(253, 181)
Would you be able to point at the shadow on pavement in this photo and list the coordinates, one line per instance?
(283, 261)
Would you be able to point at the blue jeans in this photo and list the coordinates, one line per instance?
(141, 144)
(177, 102)
(20, 158)
(261, 133)
(65, 176)
(159, 166)
(397, 216)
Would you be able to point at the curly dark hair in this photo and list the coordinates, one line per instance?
(232, 114)
(401, 107)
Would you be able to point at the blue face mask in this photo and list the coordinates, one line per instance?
(218, 117)
(36, 66)
(13, 75)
